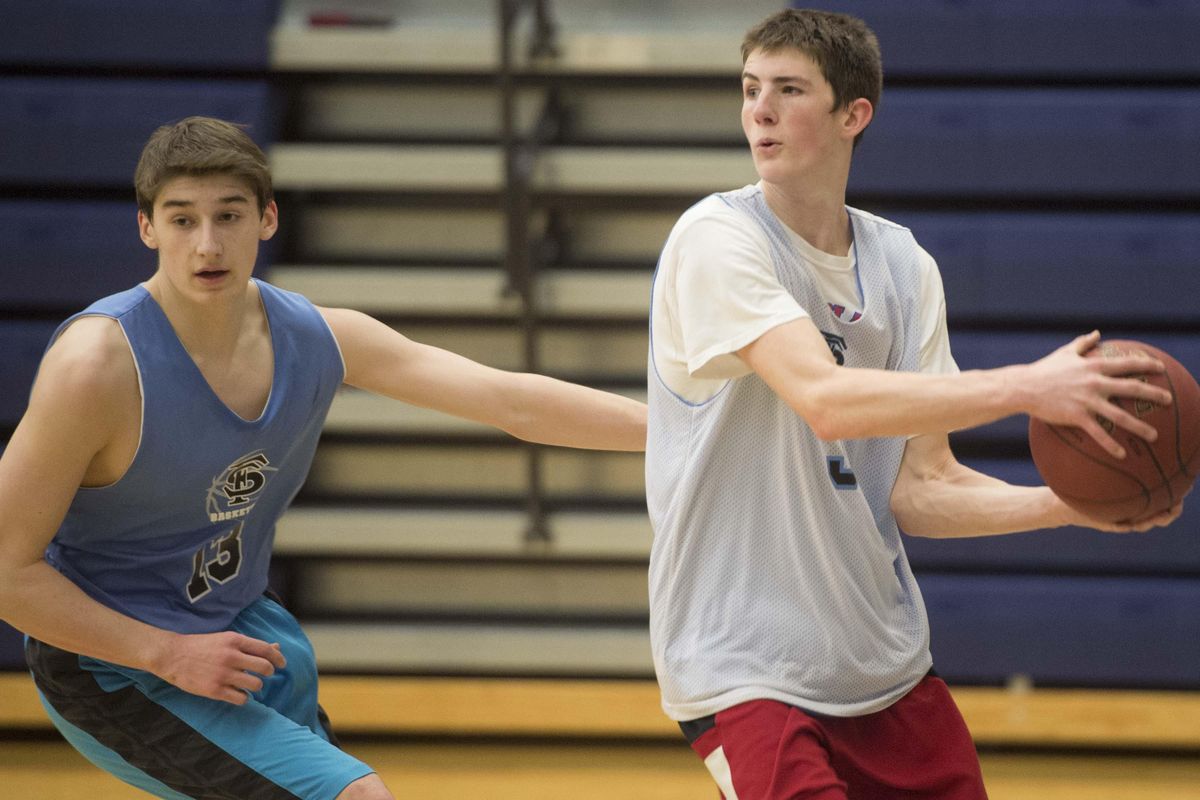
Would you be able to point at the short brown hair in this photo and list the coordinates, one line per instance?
(200, 146)
(844, 48)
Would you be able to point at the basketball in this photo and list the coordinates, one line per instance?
(1153, 476)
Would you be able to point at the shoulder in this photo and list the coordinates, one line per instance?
(290, 308)
(714, 231)
(90, 347)
(301, 320)
(88, 375)
(878, 223)
(926, 266)
(92, 355)
(272, 293)
(344, 320)
(715, 211)
(360, 336)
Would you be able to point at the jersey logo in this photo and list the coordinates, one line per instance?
(233, 492)
(841, 475)
(837, 346)
(232, 495)
(839, 311)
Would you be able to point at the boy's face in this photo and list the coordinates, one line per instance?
(206, 230)
(789, 119)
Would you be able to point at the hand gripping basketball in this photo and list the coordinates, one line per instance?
(1154, 476)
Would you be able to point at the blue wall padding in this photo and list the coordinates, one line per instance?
(983, 350)
(66, 254)
(22, 343)
(1032, 38)
(1093, 269)
(214, 34)
(1069, 630)
(76, 131)
(1111, 143)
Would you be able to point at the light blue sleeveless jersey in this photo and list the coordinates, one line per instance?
(777, 569)
(183, 540)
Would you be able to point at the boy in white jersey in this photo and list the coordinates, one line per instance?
(801, 387)
(168, 428)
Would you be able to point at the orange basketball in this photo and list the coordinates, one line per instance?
(1153, 476)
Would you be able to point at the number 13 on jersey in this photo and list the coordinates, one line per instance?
(217, 562)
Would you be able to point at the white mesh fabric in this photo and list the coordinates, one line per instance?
(766, 580)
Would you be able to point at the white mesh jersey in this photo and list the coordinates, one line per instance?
(777, 569)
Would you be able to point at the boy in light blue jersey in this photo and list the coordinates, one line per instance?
(169, 427)
(800, 391)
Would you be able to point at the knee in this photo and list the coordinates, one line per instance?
(369, 787)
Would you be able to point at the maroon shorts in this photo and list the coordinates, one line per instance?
(918, 748)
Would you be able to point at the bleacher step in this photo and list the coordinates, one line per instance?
(468, 291)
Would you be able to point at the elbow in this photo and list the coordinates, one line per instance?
(824, 411)
(825, 422)
(825, 430)
(922, 517)
(905, 508)
(913, 526)
(518, 420)
(900, 512)
(519, 427)
(816, 413)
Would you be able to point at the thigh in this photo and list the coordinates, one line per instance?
(765, 750)
(291, 691)
(917, 749)
(177, 745)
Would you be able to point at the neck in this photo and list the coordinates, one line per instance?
(207, 330)
(820, 219)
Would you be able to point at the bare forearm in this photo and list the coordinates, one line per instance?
(39, 601)
(861, 403)
(530, 407)
(967, 503)
(549, 411)
(1065, 387)
(981, 511)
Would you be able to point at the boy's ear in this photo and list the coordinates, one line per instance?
(269, 221)
(146, 230)
(859, 114)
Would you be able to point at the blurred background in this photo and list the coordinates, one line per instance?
(497, 178)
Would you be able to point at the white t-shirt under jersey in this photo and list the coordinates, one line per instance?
(702, 317)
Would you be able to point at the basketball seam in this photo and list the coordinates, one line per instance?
(1144, 491)
(1183, 465)
(1154, 456)
(1163, 475)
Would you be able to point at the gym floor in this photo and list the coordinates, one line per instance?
(46, 769)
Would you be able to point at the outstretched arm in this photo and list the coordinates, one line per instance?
(936, 496)
(530, 407)
(59, 438)
(1063, 388)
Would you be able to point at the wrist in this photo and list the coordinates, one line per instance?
(1010, 391)
(1058, 513)
(155, 653)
